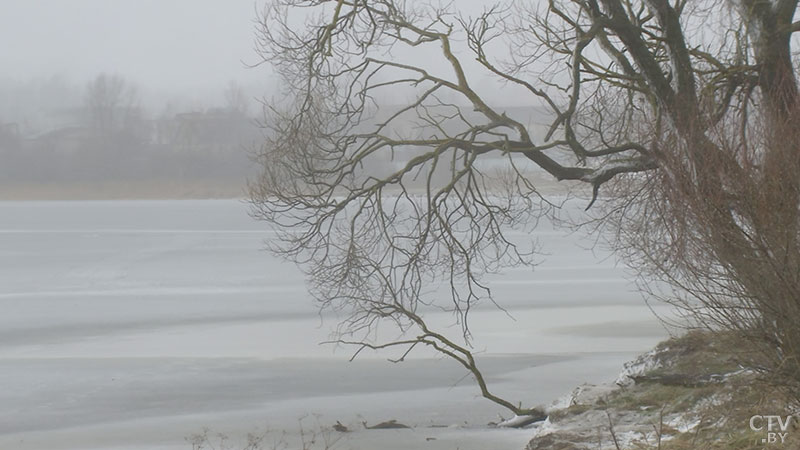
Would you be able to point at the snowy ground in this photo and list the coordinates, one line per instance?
(133, 325)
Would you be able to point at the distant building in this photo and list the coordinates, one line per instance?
(9, 136)
(64, 141)
(212, 130)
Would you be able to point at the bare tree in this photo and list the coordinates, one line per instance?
(236, 100)
(111, 104)
(683, 111)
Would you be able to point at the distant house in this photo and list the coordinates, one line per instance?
(65, 141)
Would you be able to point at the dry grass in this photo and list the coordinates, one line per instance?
(309, 436)
(699, 398)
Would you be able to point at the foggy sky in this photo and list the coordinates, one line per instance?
(169, 48)
(162, 44)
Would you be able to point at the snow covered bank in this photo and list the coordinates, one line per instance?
(687, 393)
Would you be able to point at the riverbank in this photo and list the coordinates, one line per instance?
(156, 189)
(687, 393)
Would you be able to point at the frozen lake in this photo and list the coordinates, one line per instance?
(133, 325)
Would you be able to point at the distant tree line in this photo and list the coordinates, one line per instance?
(108, 136)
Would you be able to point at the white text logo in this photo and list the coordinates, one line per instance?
(775, 427)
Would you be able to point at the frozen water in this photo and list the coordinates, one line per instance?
(134, 324)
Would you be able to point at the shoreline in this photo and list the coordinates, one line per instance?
(196, 189)
(686, 393)
(123, 190)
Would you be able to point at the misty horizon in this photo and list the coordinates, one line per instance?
(177, 46)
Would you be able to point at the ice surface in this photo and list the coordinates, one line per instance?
(133, 325)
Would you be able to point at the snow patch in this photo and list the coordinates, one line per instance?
(544, 428)
(684, 424)
(639, 366)
(519, 421)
